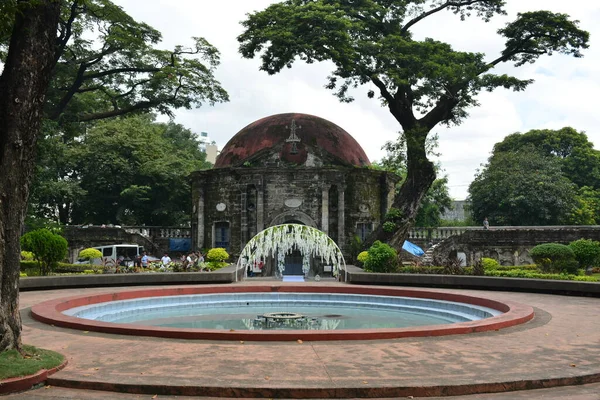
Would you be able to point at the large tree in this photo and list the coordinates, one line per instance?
(72, 62)
(109, 65)
(422, 82)
(135, 171)
(580, 161)
(27, 70)
(524, 187)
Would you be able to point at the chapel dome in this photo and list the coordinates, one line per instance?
(269, 139)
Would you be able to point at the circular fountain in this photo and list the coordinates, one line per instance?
(285, 312)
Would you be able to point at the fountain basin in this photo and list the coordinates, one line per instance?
(56, 312)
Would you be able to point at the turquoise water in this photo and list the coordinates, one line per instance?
(239, 311)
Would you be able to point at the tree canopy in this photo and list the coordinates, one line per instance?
(524, 187)
(580, 161)
(572, 165)
(126, 170)
(422, 82)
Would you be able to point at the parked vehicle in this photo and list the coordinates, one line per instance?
(126, 253)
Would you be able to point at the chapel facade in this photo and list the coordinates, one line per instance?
(289, 168)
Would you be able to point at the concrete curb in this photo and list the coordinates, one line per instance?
(324, 393)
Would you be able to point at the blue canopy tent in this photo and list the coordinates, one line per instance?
(413, 248)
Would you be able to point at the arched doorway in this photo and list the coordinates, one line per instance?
(300, 242)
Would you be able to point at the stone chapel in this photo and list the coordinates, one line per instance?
(289, 168)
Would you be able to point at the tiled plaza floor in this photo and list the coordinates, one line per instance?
(563, 341)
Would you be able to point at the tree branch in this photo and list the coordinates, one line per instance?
(121, 111)
(118, 71)
(65, 35)
(413, 21)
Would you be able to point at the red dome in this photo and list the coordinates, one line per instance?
(315, 135)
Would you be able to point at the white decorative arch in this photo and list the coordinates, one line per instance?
(282, 239)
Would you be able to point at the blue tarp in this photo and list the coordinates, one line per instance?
(413, 248)
(180, 244)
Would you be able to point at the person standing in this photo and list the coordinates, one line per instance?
(144, 261)
(486, 224)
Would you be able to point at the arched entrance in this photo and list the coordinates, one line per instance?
(281, 240)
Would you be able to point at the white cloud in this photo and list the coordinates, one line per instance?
(564, 92)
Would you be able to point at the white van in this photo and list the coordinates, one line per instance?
(112, 252)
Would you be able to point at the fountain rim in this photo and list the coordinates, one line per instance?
(50, 312)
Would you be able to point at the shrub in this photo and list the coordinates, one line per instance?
(554, 257)
(22, 275)
(389, 227)
(489, 263)
(216, 258)
(587, 252)
(362, 257)
(48, 248)
(26, 256)
(381, 258)
(217, 254)
(90, 253)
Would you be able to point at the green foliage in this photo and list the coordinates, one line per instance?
(524, 273)
(90, 253)
(217, 254)
(109, 65)
(151, 160)
(523, 187)
(437, 199)
(48, 248)
(27, 256)
(393, 215)
(22, 275)
(362, 257)
(580, 162)
(389, 226)
(371, 42)
(587, 252)
(381, 258)
(554, 257)
(489, 263)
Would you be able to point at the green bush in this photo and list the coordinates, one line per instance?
(420, 270)
(22, 275)
(217, 254)
(587, 252)
(90, 253)
(362, 257)
(554, 258)
(516, 273)
(26, 256)
(389, 226)
(382, 258)
(48, 248)
(489, 263)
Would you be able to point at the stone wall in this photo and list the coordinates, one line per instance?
(511, 245)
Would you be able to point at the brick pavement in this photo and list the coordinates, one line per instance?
(561, 345)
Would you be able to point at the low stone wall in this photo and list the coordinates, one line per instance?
(224, 275)
(358, 276)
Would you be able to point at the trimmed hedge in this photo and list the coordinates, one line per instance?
(554, 258)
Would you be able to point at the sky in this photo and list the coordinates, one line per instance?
(564, 93)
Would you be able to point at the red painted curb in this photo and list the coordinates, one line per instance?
(23, 383)
(51, 312)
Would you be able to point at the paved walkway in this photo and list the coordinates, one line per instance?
(561, 345)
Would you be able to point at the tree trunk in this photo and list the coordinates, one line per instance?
(420, 174)
(23, 85)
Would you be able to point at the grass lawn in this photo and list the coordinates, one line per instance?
(13, 365)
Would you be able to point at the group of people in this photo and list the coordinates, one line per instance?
(195, 258)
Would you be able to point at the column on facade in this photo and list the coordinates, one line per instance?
(325, 209)
(260, 206)
(200, 219)
(244, 217)
(341, 216)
